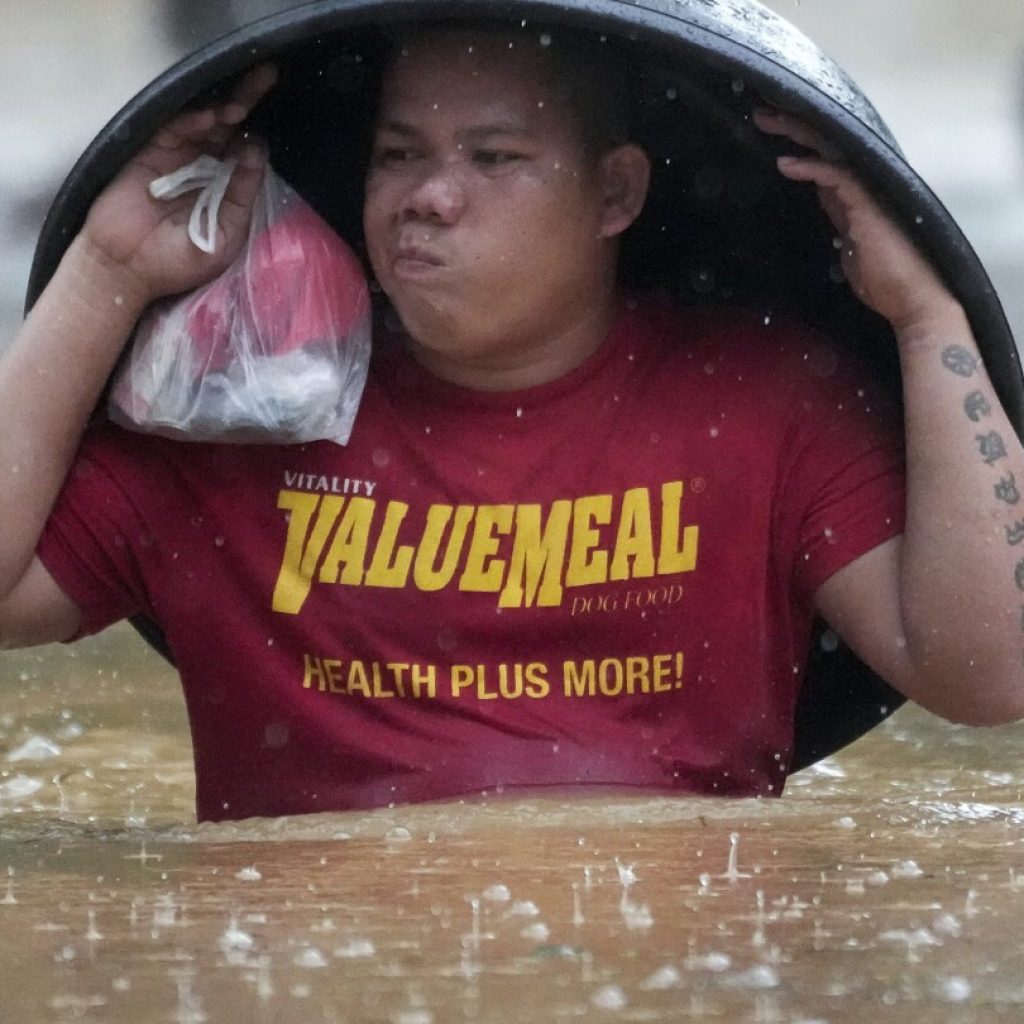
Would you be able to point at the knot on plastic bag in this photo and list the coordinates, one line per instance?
(211, 177)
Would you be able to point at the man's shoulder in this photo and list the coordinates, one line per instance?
(140, 463)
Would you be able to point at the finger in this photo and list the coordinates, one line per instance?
(774, 122)
(822, 172)
(251, 156)
(215, 124)
(837, 212)
(252, 87)
(839, 192)
(185, 127)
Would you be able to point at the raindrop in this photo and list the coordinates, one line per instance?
(356, 949)
(249, 874)
(310, 957)
(714, 962)
(758, 976)
(9, 899)
(955, 990)
(611, 997)
(415, 1016)
(524, 908)
(627, 876)
(35, 748)
(732, 874)
(665, 977)
(234, 940)
(906, 869)
(19, 787)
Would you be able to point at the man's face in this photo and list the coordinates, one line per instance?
(482, 217)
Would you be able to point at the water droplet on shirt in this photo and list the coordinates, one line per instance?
(545, 39)
(275, 735)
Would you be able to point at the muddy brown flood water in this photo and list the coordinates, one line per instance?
(888, 881)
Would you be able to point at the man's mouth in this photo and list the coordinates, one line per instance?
(416, 258)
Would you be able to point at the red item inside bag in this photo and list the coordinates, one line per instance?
(275, 350)
(276, 275)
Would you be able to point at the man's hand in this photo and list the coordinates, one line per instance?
(143, 242)
(882, 265)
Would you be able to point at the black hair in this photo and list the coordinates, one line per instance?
(589, 74)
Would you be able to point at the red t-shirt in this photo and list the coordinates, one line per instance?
(603, 580)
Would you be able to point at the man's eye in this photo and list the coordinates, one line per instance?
(495, 157)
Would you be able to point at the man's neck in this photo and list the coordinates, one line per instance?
(535, 360)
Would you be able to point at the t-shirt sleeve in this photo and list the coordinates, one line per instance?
(91, 540)
(842, 491)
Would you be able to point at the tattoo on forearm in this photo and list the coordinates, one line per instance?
(1015, 534)
(976, 405)
(992, 447)
(960, 361)
(1006, 490)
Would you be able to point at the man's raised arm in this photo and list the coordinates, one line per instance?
(938, 612)
(132, 250)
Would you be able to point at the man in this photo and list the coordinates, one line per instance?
(576, 539)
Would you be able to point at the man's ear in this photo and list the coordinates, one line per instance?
(625, 175)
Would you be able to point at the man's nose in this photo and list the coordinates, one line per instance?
(439, 195)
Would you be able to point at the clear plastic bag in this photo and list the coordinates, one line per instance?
(274, 351)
